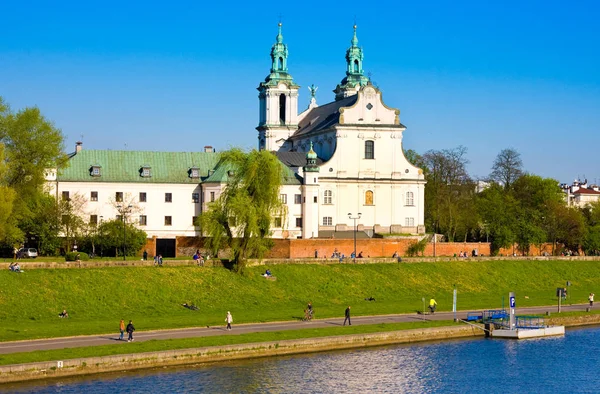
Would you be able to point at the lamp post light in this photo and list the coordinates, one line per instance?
(124, 211)
(355, 218)
(101, 240)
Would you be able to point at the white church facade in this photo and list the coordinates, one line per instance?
(342, 160)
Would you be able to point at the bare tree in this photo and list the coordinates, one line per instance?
(507, 168)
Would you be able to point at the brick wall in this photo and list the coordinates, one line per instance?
(533, 250)
(375, 247)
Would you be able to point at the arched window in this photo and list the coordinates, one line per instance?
(356, 70)
(369, 149)
(410, 200)
(280, 63)
(327, 197)
(282, 108)
(369, 197)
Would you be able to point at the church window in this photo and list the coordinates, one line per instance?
(410, 200)
(283, 198)
(327, 197)
(356, 69)
(369, 197)
(277, 222)
(282, 108)
(297, 198)
(94, 196)
(280, 63)
(327, 221)
(409, 222)
(369, 149)
(298, 222)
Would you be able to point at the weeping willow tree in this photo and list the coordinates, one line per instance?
(242, 215)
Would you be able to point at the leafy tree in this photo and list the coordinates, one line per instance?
(507, 167)
(71, 212)
(535, 197)
(112, 236)
(44, 224)
(591, 242)
(241, 217)
(32, 144)
(570, 227)
(449, 193)
(498, 210)
(8, 229)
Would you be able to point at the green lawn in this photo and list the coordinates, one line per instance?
(186, 343)
(97, 298)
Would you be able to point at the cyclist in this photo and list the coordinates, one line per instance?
(432, 305)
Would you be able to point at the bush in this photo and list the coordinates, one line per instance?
(72, 256)
(417, 247)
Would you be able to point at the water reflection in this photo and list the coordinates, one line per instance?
(547, 365)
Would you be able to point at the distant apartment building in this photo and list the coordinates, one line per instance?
(579, 194)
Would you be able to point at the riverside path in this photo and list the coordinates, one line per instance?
(107, 339)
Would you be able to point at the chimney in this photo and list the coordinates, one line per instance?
(209, 149)
(78, 146)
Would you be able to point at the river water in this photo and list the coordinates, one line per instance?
(569, 364)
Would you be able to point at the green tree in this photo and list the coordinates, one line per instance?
(8, 229)
(449, 193)
(241, 217)
(111, 237)
(497, 210)
(32, 145)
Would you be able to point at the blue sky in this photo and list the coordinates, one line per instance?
(180, 75)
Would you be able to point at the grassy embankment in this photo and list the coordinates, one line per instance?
(221, 340)
(97, 298)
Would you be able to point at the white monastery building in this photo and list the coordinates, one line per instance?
(342, 160)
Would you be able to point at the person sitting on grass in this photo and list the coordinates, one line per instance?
(267, 273)
(63, 314)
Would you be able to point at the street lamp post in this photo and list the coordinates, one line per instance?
(355, 218)
(124, 211)
(101, 241)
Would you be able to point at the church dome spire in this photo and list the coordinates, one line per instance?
(355, 77)
(279, 53)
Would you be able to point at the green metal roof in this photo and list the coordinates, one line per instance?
(220, 175)
(125, 166)
(165, 167)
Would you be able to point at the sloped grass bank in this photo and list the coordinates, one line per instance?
(97, 299)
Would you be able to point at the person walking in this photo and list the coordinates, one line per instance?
(591, 299)
(122, 329)
(130, 330)
(145, 255)
(228, 320)
(347, 316)
(432, 305)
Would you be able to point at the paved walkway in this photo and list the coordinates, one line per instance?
(139, 336)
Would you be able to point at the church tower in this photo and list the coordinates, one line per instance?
(278, 101)
(355, 78)
(310, 196)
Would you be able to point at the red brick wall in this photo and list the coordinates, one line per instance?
(533, 250)
(375, 247)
